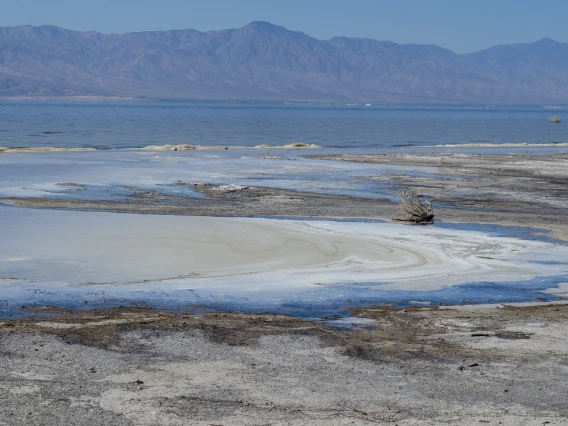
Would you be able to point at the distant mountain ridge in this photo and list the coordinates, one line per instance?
(268, 62)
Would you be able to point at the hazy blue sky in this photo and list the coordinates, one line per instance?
(460, 25)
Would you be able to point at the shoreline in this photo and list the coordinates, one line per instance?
(497, 195)
(157, 148)
(462, 364)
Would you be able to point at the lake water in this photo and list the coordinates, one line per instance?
(139, 124)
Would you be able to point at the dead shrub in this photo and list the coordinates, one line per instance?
(413, 209)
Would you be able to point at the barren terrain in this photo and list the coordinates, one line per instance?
(429, 366)
(464, 365)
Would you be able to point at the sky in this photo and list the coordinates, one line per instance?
(460, 25)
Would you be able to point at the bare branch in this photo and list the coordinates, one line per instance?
(412, 209)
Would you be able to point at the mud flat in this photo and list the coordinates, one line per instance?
(511, 190)
(70, 247)
(414, 366)
(465, 365)
(508, 189)
(165, 250)
(68, 258)
(252, 202)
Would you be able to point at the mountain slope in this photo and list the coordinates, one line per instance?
(265, 61)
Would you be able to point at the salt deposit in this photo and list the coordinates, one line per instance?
(234, 253)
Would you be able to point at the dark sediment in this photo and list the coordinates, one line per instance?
(413, 366)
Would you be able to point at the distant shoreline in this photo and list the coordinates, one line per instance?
(290, 102)
(86, 99)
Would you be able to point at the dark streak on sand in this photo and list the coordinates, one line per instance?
(252, 202)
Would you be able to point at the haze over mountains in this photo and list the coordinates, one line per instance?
(269, 62)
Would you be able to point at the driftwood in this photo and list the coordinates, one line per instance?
(413, 209)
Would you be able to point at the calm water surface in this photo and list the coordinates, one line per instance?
(138, 124)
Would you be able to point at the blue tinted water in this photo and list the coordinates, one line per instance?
(315, 302)
(134, 125)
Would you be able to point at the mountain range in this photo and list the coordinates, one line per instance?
(262, 61)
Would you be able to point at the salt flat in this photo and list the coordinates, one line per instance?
(181, 254)
(75, 254)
